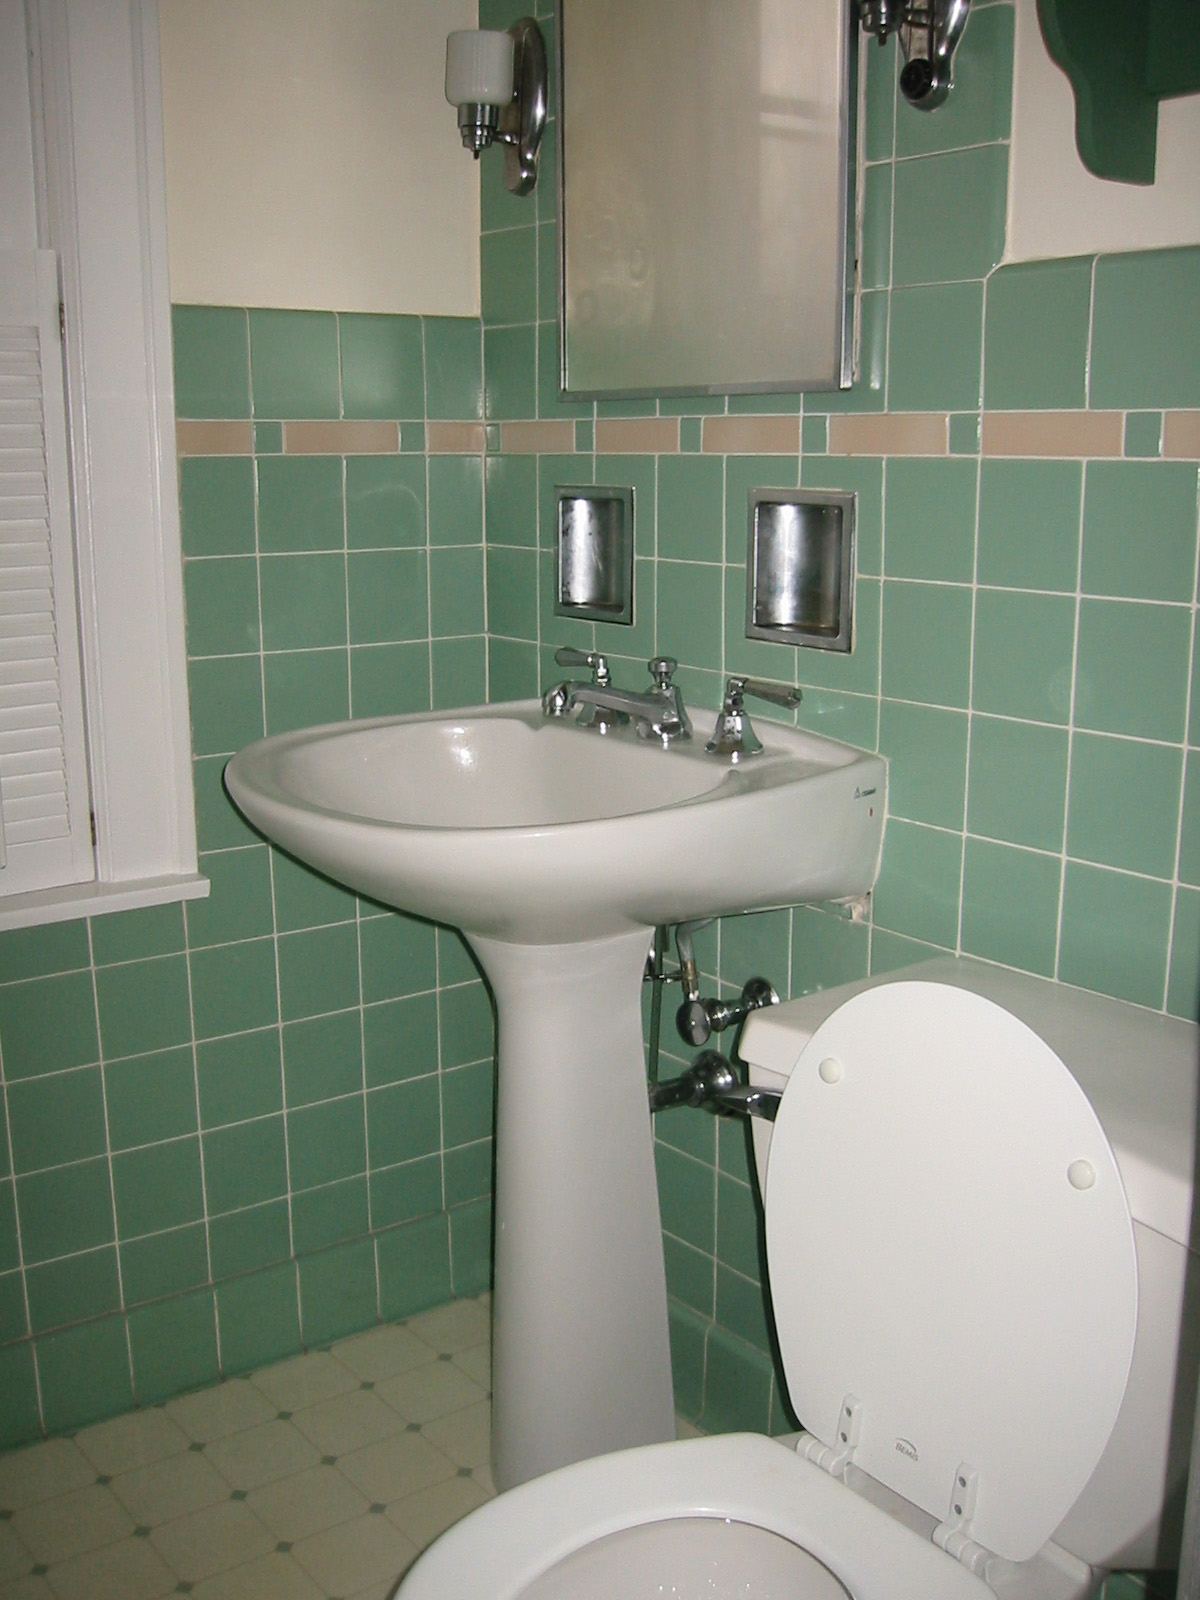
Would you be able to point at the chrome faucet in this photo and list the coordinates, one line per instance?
(733, 736)
(657, 714)
(559, 699)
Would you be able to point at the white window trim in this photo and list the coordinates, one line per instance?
(101, 193)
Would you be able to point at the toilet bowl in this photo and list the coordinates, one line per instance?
(978, 1197)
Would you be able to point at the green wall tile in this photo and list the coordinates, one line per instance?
(1023, 645)
(862, 477)
(212, 361)
(1183, 981)
(164, 1263)
(216, 505)
(1146, 330)
(73, 1289)
(385, 502)
(467, 1103)
(326, 1142)
(239, 1077)
(468, 1171)
(303, 601)
(403, 1121)
(243, 1241)
(456, 603)
(338, 1292)
(294, 363)
(65, 1209)
(398, 956)
(471, 1248)
(411, 1189)
(305, 899)
(868, 391)
(174, 1347)
(950, 213)
(38, 952)
(875, 260)
(1036, 346)
(387, 596)
(389, 679)
(414, 1266)
(222, 606)
(511, 500)
(691, 1276)
(455, 500)
(225, 694)
(1143, 433)
(686, 1193)
(737, 1385)
(508, 274)
(1010, 905)
(318, 971)
(150, 1097)
(1114, 933)
(158, 1187)
(690, 524)
(233, 988)
(1132, 668)
(143, 1005)
(926, 642)
(132, 935)
(300, 503)
(741, 1309)
(1139, 529)
(47, 1024)
(400, 1039)
(826, 950)
(244, 1164)
(453, 368)
(382, 366)
(1018, 782)
(687, 1334)
(948, 319)
(927, 762)
(84, 1374)
(259, 1319)
(1123, 808)
(690, 605)
(930, 525)
(56, 1119)
(305, 687)
(1189, 843)
(510, 364)
(919, 882)
(1029, 524)
(20, 1417)
(979, 108)
(880, 63)
(512, 592)
(322, 1057)
(512, 670)
(459, 671)
(238, 904)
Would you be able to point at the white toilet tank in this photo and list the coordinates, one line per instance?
(1138, 1069)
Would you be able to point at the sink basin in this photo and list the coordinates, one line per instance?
(557, 850)
(533, 830)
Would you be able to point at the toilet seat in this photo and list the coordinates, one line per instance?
(498, 1551)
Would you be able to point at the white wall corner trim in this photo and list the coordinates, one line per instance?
(100, 188)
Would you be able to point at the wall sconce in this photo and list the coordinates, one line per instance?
(498, 82)
(929, 35)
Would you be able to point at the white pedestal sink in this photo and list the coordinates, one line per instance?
(557, 850)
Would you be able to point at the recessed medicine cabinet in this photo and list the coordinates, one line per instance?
(706, 162)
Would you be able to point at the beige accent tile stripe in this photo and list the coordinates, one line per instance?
(889, 433)
(537, 438)
(637, 436)
(1071, 434)
(752, 436)
(1181, 435)
(455, 438)
(214, 438)
(341, 438)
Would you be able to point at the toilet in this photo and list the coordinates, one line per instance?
(978, 1195)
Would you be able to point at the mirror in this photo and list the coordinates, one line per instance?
(705, 173)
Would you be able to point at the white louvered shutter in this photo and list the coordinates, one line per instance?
(45, 824)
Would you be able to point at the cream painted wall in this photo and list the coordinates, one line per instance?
(1055, 206)
(312, 160)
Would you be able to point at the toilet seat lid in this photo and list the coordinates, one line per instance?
(949, 1245)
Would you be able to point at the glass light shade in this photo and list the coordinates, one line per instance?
(479, 67)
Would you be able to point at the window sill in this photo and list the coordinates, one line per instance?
(93, 899)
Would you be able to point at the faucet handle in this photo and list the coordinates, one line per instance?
(662, 669)
(780, 694)
(567, 657)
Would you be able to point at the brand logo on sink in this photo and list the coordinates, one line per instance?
(861, 794)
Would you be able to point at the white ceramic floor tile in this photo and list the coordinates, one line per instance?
(135, 1440)
(457, 1326)
(687, 1430)
(304, 1381)
(272, 1577)
(27, 1589)
(477, 1363)
(224, 1409)
(15, 1559)
(295, 1507)
(465, 1436)
(382, 1352)
(375, 1591)
(429, 1512)
(483, 1477)
(430, 1391)
(395, 1467)
(41, 1472)
(129, 1570)
(212, 1540)
(88, 1519)
(260, 1455)
(348, 1423)
(345, 1559)
(170, 1488)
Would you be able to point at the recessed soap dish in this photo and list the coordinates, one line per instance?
(594, 579)
(800, 568)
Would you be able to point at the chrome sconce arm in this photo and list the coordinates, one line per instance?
(929, 33)
(498, 83)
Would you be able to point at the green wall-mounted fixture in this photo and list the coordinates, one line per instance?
(1122, 59)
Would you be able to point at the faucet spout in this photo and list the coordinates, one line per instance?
(658, 714)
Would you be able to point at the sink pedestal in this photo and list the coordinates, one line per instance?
(580, 1355)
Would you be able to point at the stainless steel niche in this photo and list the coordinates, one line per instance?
(800, 568)
(594, 579)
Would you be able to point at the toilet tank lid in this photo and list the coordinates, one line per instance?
(1138, 1068)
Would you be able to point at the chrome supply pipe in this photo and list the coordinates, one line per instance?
(711, 1081)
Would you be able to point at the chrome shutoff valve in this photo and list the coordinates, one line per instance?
(697, 1020)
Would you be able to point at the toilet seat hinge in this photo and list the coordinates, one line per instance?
(954, 1535)
(835, 1458)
